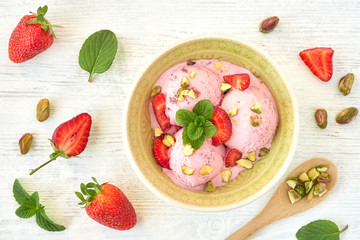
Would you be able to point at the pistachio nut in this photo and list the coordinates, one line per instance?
(192, 74)
(192, 94)
(226, 175)
(254, 121)
(210, 187)
(263, 152)
(43, 110)
(205, 170)
(185, 82)
(319, 189)
(218, 65)
(313, 174)
(345, 83)
(304, 177)
(293, 196)
(252, 156)
(292, 182)
(180, 98)
(321, 168)
(225, 87)
(186, 170)
(268, 24)
(300, 190)
(310, 195)
(168, 140)
(245, 163)
(347, 115)
(233, 112)
(321, 118)
(157, 132)
(256, 107)
(308, 185)
(155, 91)
(188, 150)
(25, 143)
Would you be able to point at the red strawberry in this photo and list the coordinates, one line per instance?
(159, 106)
(319, 60)
(70, 138)
(31, 36)
(160, 152)
(231, 158)
(223, 124)
(107, 205)
(238, 81)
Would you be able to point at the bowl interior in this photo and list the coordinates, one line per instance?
(251, 183)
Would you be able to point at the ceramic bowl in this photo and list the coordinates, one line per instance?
(249, 185)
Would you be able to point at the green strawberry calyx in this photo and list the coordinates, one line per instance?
(40, 19)
(88, 192)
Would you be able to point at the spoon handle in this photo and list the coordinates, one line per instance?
(272, 212)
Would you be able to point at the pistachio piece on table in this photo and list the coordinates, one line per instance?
(319, 189)
(252, 156)
(43, 110)
(233, 112)
(269, 24)
(155, 91)
(304, 177)
(225, 87)
(188, 150)
(25, 143)
(256, 108)
(345, 83)
(205, 170)
(158, 132)
(225, 175)
(192, 74)
(347, 115)
(313, 174)
(168, 140)
(293, 196)
(186, 170)
(308, 185)
(245, 163)
(321, 118)
(263, 152)
(292, 182)
(185, 82)
(300, 190)
(210, 187)
(254, 121)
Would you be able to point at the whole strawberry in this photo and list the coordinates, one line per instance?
(107, 205)
(70, 138)
(32, 35)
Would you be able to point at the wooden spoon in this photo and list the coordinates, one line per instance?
(279, 205)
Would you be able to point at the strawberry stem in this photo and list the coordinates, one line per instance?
(36, 169)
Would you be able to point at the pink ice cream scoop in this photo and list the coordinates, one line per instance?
(207, 154)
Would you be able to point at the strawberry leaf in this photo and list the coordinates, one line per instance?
(98, 52)
(80, 196)
(46, 223)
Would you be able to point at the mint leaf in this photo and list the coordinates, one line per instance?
(198, 142)
(204, 108)
(185, 137)
(184, 117)
(194, 132)
(45, 223)
(25, 211)
(199, 121)
(209, 129)
(98, 52)
(320, 230)
(19, 193)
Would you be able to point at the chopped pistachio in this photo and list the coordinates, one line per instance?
(308, 185)
(155, 91)
(245, 163)
(321, 169)
(157, 132)
(293, 196)
(183, 91)
(168, 140)
(256, 108)
(186, 170)
(180, 98)
(254, 121)
(262, 119)
(292, 182)
(205, 170)
(323, 178)
(319, 189)
(310, 195)
(192, 74)
(300, 190)
(263, 152)
(192, 94)
(233, 112)
(188, 150)
(252, 156)
(225, 175)
(210, 187)
(313, 174)
(218, 65)
(185, 82)
(304, 177)
(225, 87)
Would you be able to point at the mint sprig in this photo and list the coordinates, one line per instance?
(197, 123)
(30, 206)
(320, 230)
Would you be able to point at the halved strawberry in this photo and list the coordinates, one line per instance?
(232, 156)
(159, 106)
(160, 152)
(222, 122)
(319, 60)
(238, 81)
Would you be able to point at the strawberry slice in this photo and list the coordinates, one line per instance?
(159, 106)
(238, 81)
(231, 158)
(160, 152)
(223, 124)
(319, 60)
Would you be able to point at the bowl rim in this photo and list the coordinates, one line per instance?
(271, 183)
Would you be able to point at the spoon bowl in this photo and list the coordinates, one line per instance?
(279, 206)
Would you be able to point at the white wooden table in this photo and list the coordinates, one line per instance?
(143, 28)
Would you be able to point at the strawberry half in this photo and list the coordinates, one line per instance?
(319, 60)
(160, 152)
(107, 205)
(159, 106)
(231, 158)
(222, 122)
(70, 138)
(238, 81)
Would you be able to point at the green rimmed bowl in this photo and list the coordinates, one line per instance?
(249, 185)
